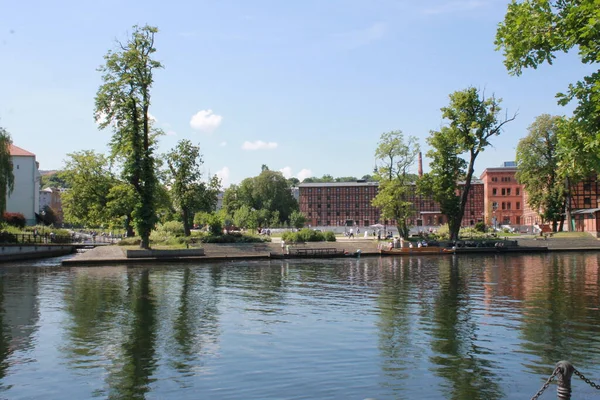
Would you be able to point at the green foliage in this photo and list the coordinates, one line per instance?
(307, 235)
(7, 179)
(121, 200)
(171, 228)
(188, 191)
(329, 236)
(234, 238)
(90, 179)
(266, 201)
(297, 219)
(54, 180)
(532, 32)
(48, 215)
(473, 120)
(122, 104)
(215, 224)
(480, 226)
(539, 159)
(395, 155)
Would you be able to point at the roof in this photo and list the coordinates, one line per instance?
(586, 211)
(17, 151)
(338, 184)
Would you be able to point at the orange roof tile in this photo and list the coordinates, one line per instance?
(17, 151)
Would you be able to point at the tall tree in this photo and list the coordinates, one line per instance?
(532, 32)
(88, 175)
(395, 155)
(473, 120)
(7, 179)
(189, 193)
(538, 159)
(123, 103)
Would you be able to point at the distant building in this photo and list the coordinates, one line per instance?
(51, 197)
(503, 196)
(25, 197)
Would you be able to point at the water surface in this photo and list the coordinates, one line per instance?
(433, 327)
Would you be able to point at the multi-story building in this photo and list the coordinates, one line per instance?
(585, 206)
(349, 204)
(51, 197)
(25, 197)
(503, 195)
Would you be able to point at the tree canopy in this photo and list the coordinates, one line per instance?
(473, 120)
(533, 32)
(122, 104)
(7, 179)
(538, 159)
(190, 194)
(395, 154)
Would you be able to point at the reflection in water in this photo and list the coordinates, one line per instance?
(472, 327)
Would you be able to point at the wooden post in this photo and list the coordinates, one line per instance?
(564, 373)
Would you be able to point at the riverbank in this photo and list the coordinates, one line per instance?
(115, 255)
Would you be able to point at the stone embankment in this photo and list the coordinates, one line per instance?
(255, 251)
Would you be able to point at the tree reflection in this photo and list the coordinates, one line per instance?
(561, 318)
(454, 339)
(138, 361)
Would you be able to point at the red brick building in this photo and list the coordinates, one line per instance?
(503, 196)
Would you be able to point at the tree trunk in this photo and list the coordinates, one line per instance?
(186, 222)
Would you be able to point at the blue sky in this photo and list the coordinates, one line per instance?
(305, 87)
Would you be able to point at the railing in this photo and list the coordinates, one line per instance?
(563, 372)
(45, 238)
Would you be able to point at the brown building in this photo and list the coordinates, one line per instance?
(503, 196)
(585, 207)
(349, 204)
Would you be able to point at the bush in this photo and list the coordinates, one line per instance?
(235, 237)
(329, 236)
(174, 228)
(130, 241)
(480, 226)
(14, 219)
(307, 235)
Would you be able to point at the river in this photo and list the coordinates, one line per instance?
(451, 327)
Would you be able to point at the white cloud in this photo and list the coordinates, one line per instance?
(287, 172)
(303, 174)
(259, 145)
(223, 174)
(223, 144)
(205, 121)
(455, 6)
(152, 118)
(171, 133)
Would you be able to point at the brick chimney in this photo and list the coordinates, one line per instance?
(420, 165)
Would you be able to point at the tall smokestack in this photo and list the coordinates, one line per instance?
(420, 165)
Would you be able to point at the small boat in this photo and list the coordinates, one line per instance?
(314, 253)
(416, 251)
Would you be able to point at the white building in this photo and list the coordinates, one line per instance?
(25, 198)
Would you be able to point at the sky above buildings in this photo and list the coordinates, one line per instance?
(305, 87)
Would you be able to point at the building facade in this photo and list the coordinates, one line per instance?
(25, 197)
(51, 197)
(503, 196)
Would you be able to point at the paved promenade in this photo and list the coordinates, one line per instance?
(223, 252)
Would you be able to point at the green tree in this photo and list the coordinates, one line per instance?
(7, 179)
(188, 191)
(266, 193)
(123, 103)
(120, 204)
(88, 175)
(473, 120)
(54, 180)
(532, 32)
(297, 219)
(538, 159)
(395, 155)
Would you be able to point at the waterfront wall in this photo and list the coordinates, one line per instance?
(25, 252)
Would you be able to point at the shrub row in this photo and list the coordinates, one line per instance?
(308, 235)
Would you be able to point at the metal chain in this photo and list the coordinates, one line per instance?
(586, 380)
(550, 379)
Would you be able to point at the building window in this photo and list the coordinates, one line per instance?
(587, 186)
(508, 192)
(494, 191)
(587, 201)
(518, 191)
(503, 192)
(518, 205)
(508, 205)
(503, 205)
